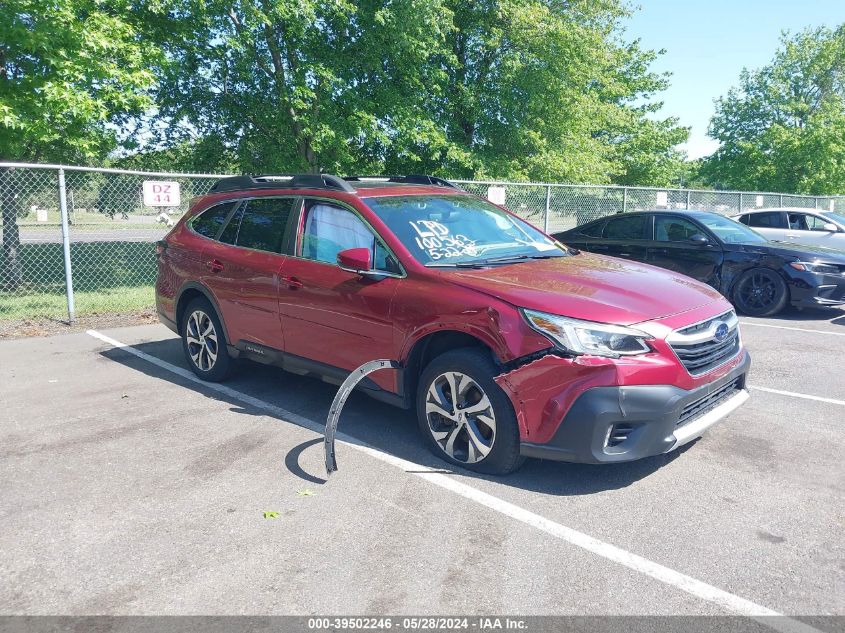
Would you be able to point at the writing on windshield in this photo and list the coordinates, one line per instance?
(459, 229)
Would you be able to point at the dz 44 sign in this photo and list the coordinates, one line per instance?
(159, 193)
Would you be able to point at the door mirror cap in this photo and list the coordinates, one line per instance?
(358, 261)
(355, 260)
(698, 238)
(830, 227)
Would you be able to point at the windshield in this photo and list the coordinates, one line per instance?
(461, 230)
(836, 217)
(730, 231)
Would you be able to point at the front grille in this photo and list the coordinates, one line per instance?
(701, 406)
(702, 357)
(700, 348)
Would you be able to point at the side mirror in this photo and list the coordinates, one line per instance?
(699, 239)
(830, 227)
(355, 260)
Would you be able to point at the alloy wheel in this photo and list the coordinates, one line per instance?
(201, 337)
(758, 292)
(460, 417)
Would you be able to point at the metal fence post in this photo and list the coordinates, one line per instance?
(624, 199)
(66, 245)
(688, 194)
(781, 201)
(740, 203)
(548, 204)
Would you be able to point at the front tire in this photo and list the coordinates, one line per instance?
(464, 416)
(760, 292)
(204, 342)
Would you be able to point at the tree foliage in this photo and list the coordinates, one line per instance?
(537, 89)
(71, 73)
(783, 128)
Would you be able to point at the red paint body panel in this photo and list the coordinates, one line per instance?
(337, 318)
(318, 311)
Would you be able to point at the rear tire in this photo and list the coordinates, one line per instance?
(464, 416)
(760, 292)
(204, 342)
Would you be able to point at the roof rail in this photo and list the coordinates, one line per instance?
(282, 181)
(410, 179)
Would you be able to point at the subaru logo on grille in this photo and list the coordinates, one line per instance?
(721, 332)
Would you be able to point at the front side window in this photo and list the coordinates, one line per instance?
(260, 224)
(329, 229)
(626, 228)
(455, 230)
(767, 220)
(209, 222)
(674, 229)
(806, 222)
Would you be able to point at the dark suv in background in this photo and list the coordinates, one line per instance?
(509, 344)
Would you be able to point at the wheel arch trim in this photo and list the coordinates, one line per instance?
(194, 286)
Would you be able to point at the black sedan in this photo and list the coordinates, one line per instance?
(760, 277)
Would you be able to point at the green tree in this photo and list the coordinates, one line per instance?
(71, 73)
(783, 128)
(539, 89)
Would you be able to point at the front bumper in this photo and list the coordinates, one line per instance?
(814, 290)
(619, 424)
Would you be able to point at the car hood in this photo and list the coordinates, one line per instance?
(792, 249)
(590, 287)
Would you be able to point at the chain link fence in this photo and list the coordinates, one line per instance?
(82, 241)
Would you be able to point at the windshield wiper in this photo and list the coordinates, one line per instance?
(476, 264)
(491, 261)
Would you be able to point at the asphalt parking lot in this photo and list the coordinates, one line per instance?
(130, 488)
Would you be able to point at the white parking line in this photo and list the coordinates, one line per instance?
(676, 579)
(786, 327)
(804, 396)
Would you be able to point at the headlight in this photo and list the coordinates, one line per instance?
(812, 267)
(586, 337)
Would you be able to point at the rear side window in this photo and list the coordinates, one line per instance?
(630, 227)
(769, 220)
(592, 230)
(261, 225)
(209, 222)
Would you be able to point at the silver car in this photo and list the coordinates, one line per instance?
(802, 226)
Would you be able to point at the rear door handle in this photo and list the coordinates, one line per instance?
(214, 265)
(292, 282)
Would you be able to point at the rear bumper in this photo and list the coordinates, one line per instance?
(166, 320)
(619, 424)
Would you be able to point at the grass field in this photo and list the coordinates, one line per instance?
(107, 277)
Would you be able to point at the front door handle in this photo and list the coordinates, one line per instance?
(292, 282)
(214, 265)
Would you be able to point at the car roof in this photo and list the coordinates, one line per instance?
(777, 209)
(690, 212)
(325, 182)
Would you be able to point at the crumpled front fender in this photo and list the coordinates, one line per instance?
(542, 390)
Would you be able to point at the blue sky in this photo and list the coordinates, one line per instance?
(709, 42)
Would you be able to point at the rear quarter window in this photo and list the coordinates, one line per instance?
(209, 222)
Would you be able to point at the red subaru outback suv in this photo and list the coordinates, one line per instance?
(509, 344)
